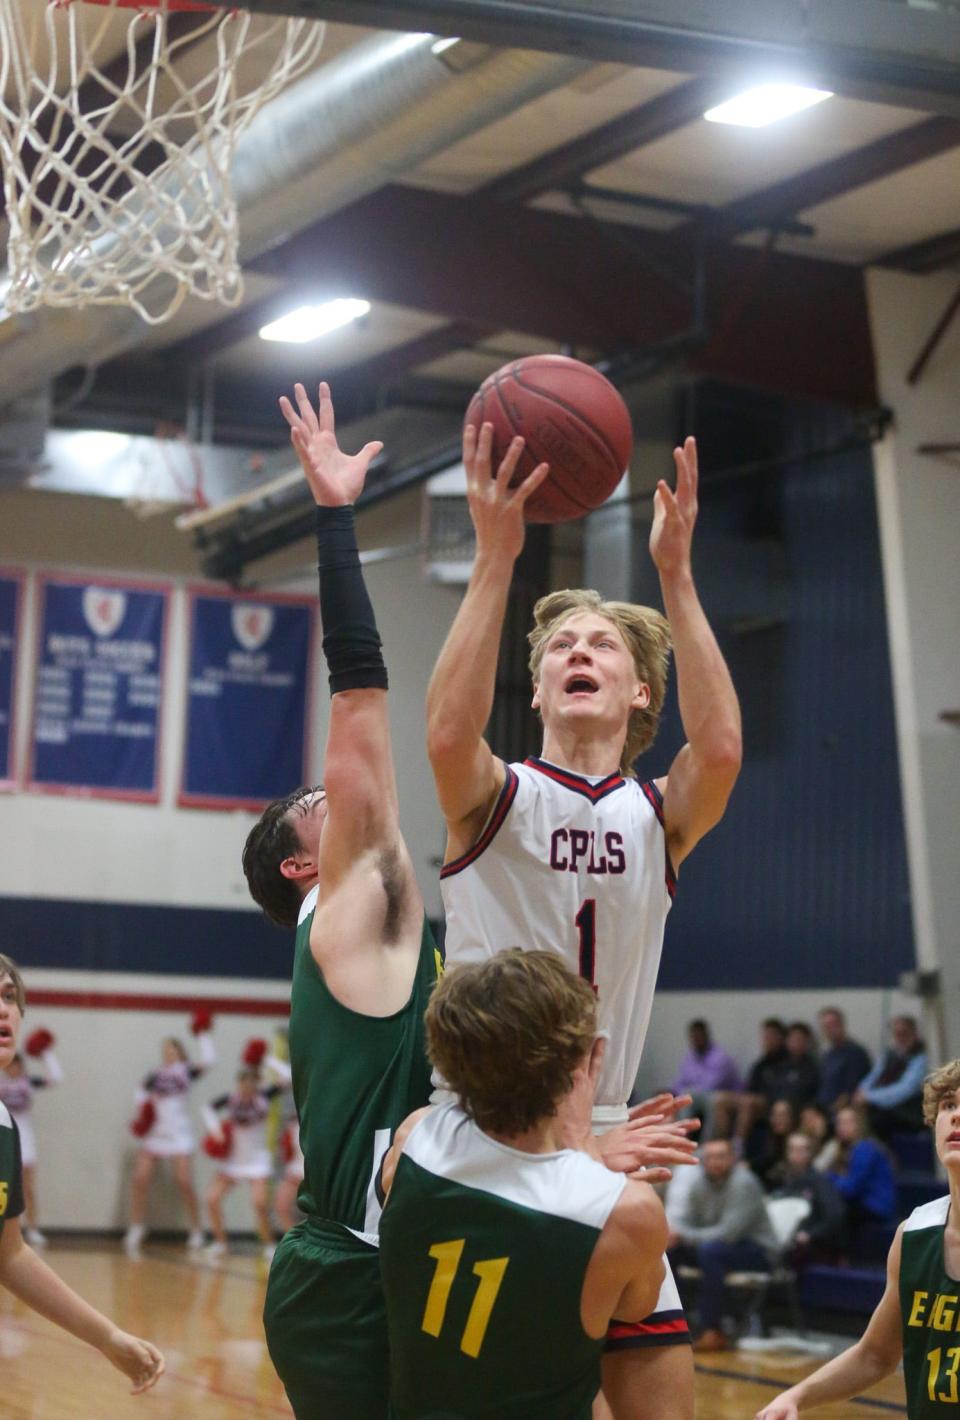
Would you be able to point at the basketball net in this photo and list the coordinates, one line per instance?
(118, 123)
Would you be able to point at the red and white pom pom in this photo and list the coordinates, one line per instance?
(145, 1120)
(253, 1053)
(38, 1042)
(201, 1020)
(218, 1146)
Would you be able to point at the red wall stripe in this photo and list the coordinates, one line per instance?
(138, 1001)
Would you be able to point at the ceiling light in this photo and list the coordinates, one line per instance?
(440, 45)
(310, 322)
(765, 104)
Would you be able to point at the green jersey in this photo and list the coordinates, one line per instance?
(483, 1252)
(930, 1307)
(355, 1079)
(11, 1181)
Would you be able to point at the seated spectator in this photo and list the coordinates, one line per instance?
(815, 1123)
(800, 1078)
(843, 1064)
(705, 1069)
(818, 1237)
(893, 1090)
(721, 1226)
(768, 1158)
(763, 1086)
(862, 1175)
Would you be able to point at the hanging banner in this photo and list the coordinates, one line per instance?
(11, 600)
(250, 669)
(96, 704)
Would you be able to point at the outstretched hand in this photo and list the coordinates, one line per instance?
(495, 507)
(335, 478)
(778, 1409)
(651, 1141)
(675, 513)
(139, 1360)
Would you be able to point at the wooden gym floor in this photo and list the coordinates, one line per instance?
(205, 1317)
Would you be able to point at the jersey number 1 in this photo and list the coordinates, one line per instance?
(586, 920)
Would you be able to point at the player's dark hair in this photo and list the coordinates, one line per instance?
(507, 1035)
(272, 839)
(8, 967)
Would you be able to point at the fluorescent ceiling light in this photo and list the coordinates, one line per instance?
(310, 322)
(765, 104)
(440, 45)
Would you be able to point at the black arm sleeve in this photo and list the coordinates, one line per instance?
(351, 641)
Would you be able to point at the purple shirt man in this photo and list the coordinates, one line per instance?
(705, 1067)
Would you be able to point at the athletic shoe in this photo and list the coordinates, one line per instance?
(133, 1238)
(34, 1237)
(195, 1240)
(268, 1250)
(214, 1250)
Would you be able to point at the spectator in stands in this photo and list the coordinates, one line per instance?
(721, 1226)
(769, 1159)
(843, 1064)
(862, 1175)
(818, 1237)
(893, 1090)
(705, 1069)
(815, 1123)
(800, 1078)
(763, 1086)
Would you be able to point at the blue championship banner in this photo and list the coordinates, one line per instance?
(11, 598)
(250, 668)
(96, 705)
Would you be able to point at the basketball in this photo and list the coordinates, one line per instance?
(571, 418)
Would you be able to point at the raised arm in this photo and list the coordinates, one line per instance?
(704, 772)
(460, 695)
(875, 1355)
(358, 772)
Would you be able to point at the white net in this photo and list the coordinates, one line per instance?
(118, 123)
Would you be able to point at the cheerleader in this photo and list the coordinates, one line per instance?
(238, 1140)
(164, 1129)
(291, 1155)
(16, 1092)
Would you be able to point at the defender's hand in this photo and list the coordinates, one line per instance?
(675, 513)
(335, 478)
(495, 507)
(779, 1409)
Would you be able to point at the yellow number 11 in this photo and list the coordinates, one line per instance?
(447, 1256)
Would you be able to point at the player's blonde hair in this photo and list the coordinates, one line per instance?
(647, 634)
(8, 967)
(507, 1035)
(945, 1081)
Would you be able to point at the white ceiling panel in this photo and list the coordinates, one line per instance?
(717, 163)
(604, 92)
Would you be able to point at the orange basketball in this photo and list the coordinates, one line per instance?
(571, 418)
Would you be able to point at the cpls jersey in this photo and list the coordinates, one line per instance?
(578, 866)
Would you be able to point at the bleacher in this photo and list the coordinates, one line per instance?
(858, 1287)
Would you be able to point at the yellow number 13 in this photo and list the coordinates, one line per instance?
(490, 1272)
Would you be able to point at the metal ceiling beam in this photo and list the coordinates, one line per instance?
(881, 159)
(599, 284)
(883, 51)
(932, 254)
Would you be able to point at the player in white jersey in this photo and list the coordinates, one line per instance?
(568, 852)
